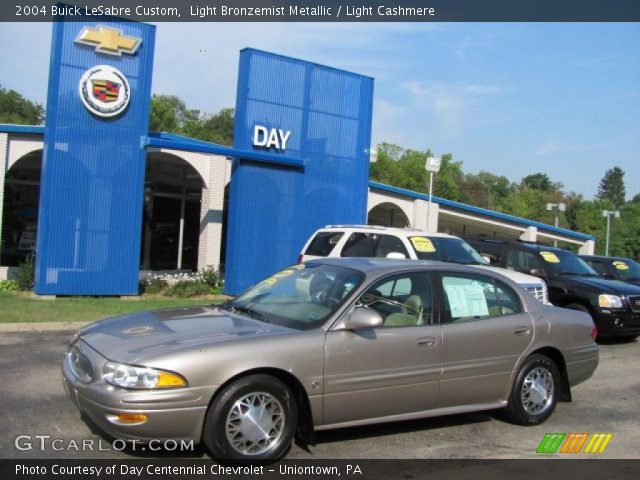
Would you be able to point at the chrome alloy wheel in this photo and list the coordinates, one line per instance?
(537, 391)
(255, 423)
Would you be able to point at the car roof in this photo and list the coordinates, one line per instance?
(371, 264)
(511, 242)
(382, 229)
(603, 257)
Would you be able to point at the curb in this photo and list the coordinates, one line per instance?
(41, 326)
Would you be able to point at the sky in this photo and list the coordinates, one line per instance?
(509, 98)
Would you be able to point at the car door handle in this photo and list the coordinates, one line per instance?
(427, 341)
(522, 331)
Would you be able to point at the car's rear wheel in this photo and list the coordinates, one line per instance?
(254, 418)
(534, 392)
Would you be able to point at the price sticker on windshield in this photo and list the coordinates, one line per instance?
(550, 257)
(620, 265)
(422, 244)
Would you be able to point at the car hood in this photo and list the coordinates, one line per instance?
(603, 285)
(129, 338)
(518, 277)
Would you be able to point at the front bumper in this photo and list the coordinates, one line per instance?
(615, 324)
(176, 414)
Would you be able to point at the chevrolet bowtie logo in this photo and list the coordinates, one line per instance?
(108, 40)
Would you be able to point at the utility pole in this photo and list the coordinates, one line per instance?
(432, 166)
(557, 207)
(608, 214)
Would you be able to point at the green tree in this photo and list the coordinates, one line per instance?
(218, 128)
(625, 237)
(448, 180)
(611, 186)
(14, 108)
(169, 114)
(163, 114)
(538, 181)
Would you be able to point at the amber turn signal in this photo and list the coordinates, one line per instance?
(132, 417)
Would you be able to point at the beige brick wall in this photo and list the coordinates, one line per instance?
(211, 210)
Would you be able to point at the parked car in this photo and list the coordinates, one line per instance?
(328, 344)
(613, 305)
(376, 241)
(615, 268)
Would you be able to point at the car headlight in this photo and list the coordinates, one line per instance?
(131, 376)
(609, 301)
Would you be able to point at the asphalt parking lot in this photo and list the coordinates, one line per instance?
(33, 402)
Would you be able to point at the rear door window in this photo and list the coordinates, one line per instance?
(323, 243)
(360, 244)
(468, 298)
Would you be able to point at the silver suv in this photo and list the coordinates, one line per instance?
(375, 241)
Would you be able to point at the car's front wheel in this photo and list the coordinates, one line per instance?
(253, 418)
(534, 393)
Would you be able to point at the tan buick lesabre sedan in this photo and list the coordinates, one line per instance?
(328, 344)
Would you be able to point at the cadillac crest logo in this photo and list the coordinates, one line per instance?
(104, 91)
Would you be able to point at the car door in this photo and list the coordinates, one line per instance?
(390, 370)
(485, 330)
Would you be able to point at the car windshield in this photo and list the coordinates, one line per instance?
(627, 269)
(563, 262)
(302, 297)
(446, 249)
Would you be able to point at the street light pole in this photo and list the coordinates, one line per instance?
(432, 166)
(608, 214)
(557, 207)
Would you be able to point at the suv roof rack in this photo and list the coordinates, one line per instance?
(376, 227)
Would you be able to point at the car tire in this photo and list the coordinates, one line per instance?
(534, 393)
(240, 414)
(579, 307)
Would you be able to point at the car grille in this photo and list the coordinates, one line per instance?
(537, 292)
(80, 365)
(634, 303)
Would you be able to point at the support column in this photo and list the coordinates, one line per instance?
(587, 248)
(422, 211)
(530, 234)
(211, 210)
(4, 158)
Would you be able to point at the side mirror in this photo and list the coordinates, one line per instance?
(396, 255)
(609, 276)
(536, 272)
(486, 259)
(363, 317)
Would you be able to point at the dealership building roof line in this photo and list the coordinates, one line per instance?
(480, 211)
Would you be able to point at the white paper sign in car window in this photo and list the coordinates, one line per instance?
(467, 300)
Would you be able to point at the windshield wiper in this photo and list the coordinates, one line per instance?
(249, 312)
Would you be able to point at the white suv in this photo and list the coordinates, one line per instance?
(374, 241)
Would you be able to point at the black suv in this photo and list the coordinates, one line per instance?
(613, 305)
(615, 268)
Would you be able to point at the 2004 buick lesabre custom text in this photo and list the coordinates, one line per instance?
(327, 344)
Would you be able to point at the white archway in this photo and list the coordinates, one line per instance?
(388, 214)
